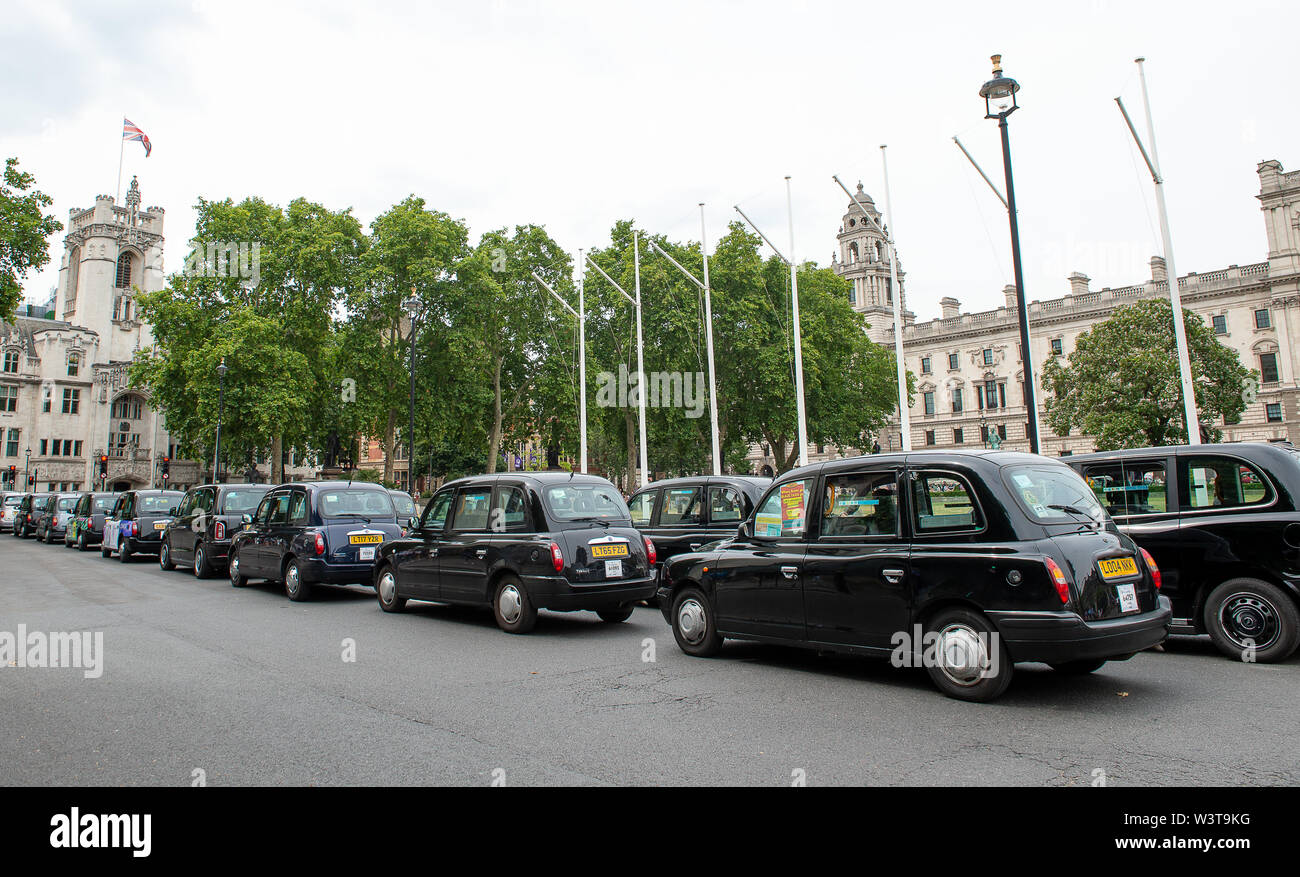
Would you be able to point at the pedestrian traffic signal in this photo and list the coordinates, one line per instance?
(103, 465)
(166, 467)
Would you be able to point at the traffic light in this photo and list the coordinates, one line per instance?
(11, 476)
(166, 467)
(103, 466)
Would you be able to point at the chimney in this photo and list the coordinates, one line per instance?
(1078, 283)
(950, 307)
(1158, 272)
(1009, 293)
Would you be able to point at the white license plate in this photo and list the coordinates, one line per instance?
(366, 552)
(613, 569)
(1128, 601)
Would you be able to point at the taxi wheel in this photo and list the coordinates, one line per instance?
(1078, 668)
(165, 556)
(81, 541)
(968, 660)
(105, 551)
(124, 551)
(236, 580)
(514, 611)
(386, 588)
(202, 568)
(1252, 621)
(615, 616)
(693, 625)
(294, 587)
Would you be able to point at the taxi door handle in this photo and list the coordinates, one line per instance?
(790, 572)
(695, 546)
(481, 553)
(893, 576)
(433, 552)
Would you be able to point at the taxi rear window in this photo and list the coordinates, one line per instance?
(1053, 494)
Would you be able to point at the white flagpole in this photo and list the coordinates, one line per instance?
(640, 361)
(708, 329)
(121, 152)
(582, 364)
(798, 340)
(904, 415)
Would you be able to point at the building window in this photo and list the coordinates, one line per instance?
(929, 437)
(957, 403)
(1268, 368)
(979, 396)
(1002, 395)
(124, 271)
(991, 394)
(1273, 412)
(11, 361)
(71, 401)
(1067, 453)
(74, 365)
(853, 292)
(8, 398)
(45, 447)
(929, 402)
(76, 448)
(1058, 347)
(925, 365)
(988, 355)
(958, 437)
(1262, 320)
(1002, 431)
(952, 361)
(984, 433)
(1220, 324)
(11, 442)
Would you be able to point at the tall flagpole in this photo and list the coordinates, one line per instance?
(708, 329)
(582, 364)
(904, 414)
(121, 152)
(798, 341)
(640, 361)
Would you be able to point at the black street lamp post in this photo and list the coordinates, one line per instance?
(221, 407)
(999, 95)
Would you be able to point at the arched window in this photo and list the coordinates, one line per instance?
(853, 252)
(124, 271)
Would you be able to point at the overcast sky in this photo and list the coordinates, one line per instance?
(573, 115)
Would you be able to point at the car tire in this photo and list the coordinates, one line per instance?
(295, 588)
(104, 550)
(982, 674)
(386, 588)
(1078, 668)
(165, 556)
(513, 608)
(236, 579)
(81, 541)
(615, 616)
(202, 566)
(1242, 610)
(693, 624)
(124, 550)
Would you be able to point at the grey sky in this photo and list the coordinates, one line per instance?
(574, 115)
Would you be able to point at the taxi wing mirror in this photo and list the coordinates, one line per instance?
(746, 530)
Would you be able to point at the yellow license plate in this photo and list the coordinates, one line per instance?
(1117, 567)
(160, 525)
(366, 538)
(618, 550)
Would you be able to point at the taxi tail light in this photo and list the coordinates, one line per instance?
(320, 543)
(135, 528)
(219, 531)
(651, 555)
(1151, 565)
(557, 557)
(1058, 579)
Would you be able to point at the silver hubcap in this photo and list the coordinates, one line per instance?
(234, 569)
(387, 587)
(510, 604)
(198, 561)
(691, 621)
(291, 579)
(163, 557)
(961, 654)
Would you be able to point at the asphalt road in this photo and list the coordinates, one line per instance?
(251, 689)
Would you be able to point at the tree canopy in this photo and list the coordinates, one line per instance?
(24, 228)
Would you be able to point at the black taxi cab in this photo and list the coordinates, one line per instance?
(962, 563)
(518, 543)
(1223, 522)
(683, 514)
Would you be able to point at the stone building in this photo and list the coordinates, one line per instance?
(969, 379)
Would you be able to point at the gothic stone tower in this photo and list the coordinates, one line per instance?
(863, 260)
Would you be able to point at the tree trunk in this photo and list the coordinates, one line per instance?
(277, 461)
(633, 450)
(494, 436)
(389, 444)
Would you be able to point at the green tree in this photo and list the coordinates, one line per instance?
(24, 227)
(1121, 383)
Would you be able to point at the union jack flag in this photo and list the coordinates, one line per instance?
(131, 132)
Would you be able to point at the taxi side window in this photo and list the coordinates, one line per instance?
(642, 507)
(861, 504)
(298, 508)
(726, 506)
(784, 511)
(280, 509)
(187, 504)
(472, 509)
(264, 510)
(1134, 487)
(1219, 482)
(943, 503)
(435, 513)
(509, 510)
(681, 506)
